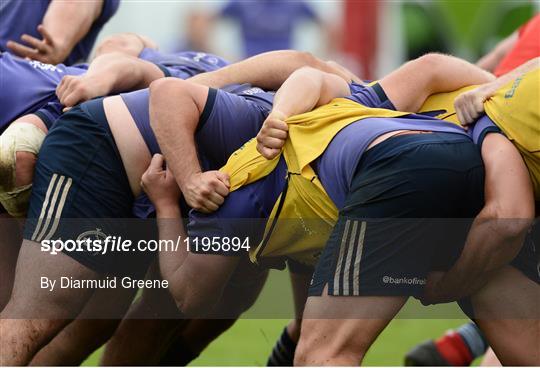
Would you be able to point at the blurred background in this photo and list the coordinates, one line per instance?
(369, 36)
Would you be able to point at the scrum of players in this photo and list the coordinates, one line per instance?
(354, 186)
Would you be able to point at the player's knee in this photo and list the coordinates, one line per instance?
(194, 303)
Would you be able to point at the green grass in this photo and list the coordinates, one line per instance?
(249, 342)
(251, 339)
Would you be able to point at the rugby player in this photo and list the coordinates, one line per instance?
(98, 152)
(524, 204)
(29, 112)
(462, 346)
(168, 125)
(113, 70)
(345, 346)
(69, 28)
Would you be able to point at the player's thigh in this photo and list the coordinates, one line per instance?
(507, 310)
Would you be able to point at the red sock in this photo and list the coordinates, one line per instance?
(453, 349)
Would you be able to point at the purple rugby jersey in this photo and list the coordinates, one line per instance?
(26, 86)
(179, 65)
(183, 64)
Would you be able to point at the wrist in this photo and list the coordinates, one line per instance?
(278, 114)
(185, 180)
(168, 211)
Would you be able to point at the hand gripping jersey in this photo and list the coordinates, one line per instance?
(291, 230)
(515, 109)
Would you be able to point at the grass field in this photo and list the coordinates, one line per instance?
(251, 339)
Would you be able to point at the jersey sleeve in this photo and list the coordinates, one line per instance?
(481, 128)
(371, 95)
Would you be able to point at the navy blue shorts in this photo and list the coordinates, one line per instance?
(408, 211)
(81, 191)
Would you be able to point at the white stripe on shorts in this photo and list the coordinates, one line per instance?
(347, 268)
(59, 188)
(340, 259)
(356, 272)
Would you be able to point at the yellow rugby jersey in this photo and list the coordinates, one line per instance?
(306, 213)
(515, 109)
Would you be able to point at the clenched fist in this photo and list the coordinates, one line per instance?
(272, 136)
(206, 191)
(470, 105)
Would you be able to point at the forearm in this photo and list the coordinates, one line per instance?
(498, 231)
(492, 87)
(487, 249)
(268, 70)
(306, 89)
(410, 85)
(171, 229)
(453, 73)
(68, 21)
(122, 72)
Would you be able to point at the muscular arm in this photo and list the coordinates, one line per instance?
(65, 23)
(410, 85)
(269, 70)
(194, 295)
(407, 88)
(175, 109)
(109, 73)
(498, 231)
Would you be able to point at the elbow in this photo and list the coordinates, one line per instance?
(308, 59)
(432, 64)
(309, 74)
(161, 90)
(510, 222)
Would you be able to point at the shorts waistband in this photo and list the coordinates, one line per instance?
(95, 109)
(401, 143)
